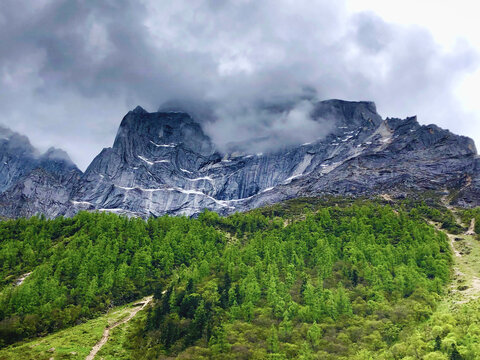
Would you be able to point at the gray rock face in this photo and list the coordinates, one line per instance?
(40, 192)
(31, 182)
(163, 163)
(469, 191)
(17, 157)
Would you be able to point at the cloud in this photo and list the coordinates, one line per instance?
(261, 129)
(70, 69)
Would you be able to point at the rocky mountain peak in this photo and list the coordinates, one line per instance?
(57, 155)
(351, 114)
(15, 143)
(164, 163)
(5, 132)
(139, 110)
(30, 182)
(57, 162)
(153, 133)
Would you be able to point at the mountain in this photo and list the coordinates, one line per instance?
(164, 163)
(17, 157)
(31, 182)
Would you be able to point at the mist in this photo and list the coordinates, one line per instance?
(70, 70)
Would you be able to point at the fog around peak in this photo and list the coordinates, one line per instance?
(71, 69)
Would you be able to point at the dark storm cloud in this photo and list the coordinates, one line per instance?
(70, 69)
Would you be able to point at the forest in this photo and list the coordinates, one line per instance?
(306, 279)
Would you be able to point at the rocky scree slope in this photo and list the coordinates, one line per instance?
(163, 163)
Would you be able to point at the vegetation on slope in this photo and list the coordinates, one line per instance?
(302, 280)
(82, 266)
(72, 343)
(328, 286)
(453, 331)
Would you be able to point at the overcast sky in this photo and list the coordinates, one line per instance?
(70, 70)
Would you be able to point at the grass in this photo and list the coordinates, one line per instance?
(119, 344)
(72, 343)
(465, 285)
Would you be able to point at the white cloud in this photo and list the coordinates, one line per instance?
(454, 25)
(71, 69)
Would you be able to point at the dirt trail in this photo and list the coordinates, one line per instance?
(452, 244)
(466, 282)
(106, 333)
(471, 229)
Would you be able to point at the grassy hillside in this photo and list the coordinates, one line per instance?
(72, 343)
(307, 279)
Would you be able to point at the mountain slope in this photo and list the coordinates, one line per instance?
(31, 182)
(17, 157)
(164, 163)
(332, 275)
(155, 166)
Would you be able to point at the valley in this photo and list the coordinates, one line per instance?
(241, 180)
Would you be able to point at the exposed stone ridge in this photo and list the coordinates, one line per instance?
(31, 182)
(163, 163)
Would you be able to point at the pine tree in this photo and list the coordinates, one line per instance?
(273, 345)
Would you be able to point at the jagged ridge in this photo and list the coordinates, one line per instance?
(163, 163)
